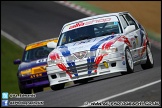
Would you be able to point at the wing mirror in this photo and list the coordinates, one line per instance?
(129, 29)
(17, 61)
(51, 44)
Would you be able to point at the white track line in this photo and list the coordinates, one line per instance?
(123, 93)
(8, 36)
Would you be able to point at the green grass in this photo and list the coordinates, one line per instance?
(9, 52)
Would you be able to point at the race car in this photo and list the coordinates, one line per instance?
(32, 73)
(98, 45)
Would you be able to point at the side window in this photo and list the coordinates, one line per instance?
(124, 23)
(131, 21)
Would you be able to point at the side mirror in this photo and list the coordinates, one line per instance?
(17, 61)
(129, 29)
(51, 45)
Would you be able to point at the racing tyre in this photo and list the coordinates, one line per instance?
(149, 62)
(129, 62)
(38, 89)
(24, 90)
(58, 86)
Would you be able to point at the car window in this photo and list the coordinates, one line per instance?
(91, 31)
(123, 21)
(36, 53)
(130, 20)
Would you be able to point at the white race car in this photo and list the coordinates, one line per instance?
(98, 45)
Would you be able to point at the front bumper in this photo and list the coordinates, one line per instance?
(34, 80)
(116, 63)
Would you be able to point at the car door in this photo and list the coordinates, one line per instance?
(136, 37)
(129, 36)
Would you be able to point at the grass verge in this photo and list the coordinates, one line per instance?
(9, 52)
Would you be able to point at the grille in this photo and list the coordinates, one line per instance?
(80, 55)
(82, 68)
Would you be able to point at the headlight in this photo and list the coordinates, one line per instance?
(54, 62)
(25, 72)
(54, 58)
(107, 51)
(70, 58)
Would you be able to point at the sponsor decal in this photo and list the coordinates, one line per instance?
(36, 75)
(41, 60)
(90, 22)
(123, 62)
(76, 25)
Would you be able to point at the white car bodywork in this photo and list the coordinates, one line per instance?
(99, 55)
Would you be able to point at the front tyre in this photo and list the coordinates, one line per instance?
(150, 61)
(129, 62)
(38, 89)
(58, 86)
(24, 90)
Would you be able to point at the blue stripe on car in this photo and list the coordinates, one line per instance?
(64, 50)
(72, 64)
(89, 61)
(95, 47)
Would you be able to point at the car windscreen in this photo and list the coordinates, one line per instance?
(36, 53)
(87, 32)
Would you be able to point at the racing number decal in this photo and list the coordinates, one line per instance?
(36, 75)
(41, 60)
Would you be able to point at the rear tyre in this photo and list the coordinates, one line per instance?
(38, 89)
(150, 61)
(58, 86)
(24, 90)
(129, 62)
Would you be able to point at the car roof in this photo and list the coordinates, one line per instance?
(96, 16)
(40, 43)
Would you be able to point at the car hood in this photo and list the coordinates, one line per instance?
(31, 64)
(88, 44)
